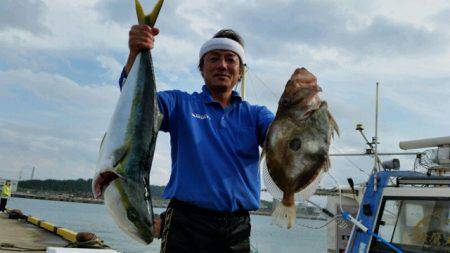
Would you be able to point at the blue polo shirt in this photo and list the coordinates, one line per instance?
(214, 150)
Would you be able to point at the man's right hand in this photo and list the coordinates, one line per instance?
(157, 227)
(141, 37)
(158, 224)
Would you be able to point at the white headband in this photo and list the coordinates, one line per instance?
(223, 44)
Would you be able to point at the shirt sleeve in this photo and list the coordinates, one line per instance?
(265, 117)
(167, 101)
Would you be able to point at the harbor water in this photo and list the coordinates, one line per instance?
(265, 238)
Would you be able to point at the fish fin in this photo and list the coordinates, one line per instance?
(333, 124)
(309, 190)
(119, 154)
(270, 185)
(149, 19)
(103, 139)
(284, 215)
(140, 12)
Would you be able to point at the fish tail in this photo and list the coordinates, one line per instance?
(149, 19)
(285, 213)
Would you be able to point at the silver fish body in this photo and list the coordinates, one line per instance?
(126, 153)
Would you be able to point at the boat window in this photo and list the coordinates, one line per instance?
(415, 225)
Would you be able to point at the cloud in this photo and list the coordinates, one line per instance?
(327, 26)
(115, 11)
(58, 72)
(65, 29)
(111, 65)
(24, 15)
(386, 37)
(53, 123)
(440, 20)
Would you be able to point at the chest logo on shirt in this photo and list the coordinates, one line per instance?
(200, 116)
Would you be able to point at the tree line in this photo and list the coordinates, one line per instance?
(78, 186)
(83, 187)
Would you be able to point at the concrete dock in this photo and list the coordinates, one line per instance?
(18, 234)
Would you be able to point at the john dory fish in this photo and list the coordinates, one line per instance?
(297, 143)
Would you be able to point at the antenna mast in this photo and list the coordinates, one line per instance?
(376, 164)
(32, 173)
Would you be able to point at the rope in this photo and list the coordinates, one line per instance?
(12, 247)
(94, 243)
(264, 84)
(324, 225)
(350, 161)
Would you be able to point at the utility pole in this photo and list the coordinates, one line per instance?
(32, 173)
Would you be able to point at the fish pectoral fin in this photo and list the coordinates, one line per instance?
(333, 123)
(262, 156)
(119, 154)
(149, 19)
(309, 190)
(103, 139)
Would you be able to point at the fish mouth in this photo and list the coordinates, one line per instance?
(127, 214)
(298, 97)
(102, 181)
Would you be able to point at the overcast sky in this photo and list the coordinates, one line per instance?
(60, 61)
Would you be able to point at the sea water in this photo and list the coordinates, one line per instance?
(79, 217)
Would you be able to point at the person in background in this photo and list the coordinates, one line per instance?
(6, 193)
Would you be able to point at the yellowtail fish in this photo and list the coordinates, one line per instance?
(126, 152)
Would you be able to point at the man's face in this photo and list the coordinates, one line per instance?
(221, 69)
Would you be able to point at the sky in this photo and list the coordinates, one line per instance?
(60, 62)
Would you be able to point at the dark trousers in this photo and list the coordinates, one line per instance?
(189, 228)
(3, 204)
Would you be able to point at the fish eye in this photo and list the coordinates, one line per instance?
(295, 144)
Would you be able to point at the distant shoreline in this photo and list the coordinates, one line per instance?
(57, 198)
(66, 198)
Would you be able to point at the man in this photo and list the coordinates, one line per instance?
(214, 147)
(6, 193)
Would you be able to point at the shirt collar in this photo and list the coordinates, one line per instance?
(208, 99)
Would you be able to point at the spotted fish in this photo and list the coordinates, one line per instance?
(296, 148)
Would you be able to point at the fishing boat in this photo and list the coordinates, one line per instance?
(396, 210)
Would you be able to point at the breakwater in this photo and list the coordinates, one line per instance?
(156, 203)
(57, 197)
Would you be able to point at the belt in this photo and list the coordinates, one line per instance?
(178, 204)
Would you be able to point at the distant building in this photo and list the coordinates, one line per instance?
(13, 184)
